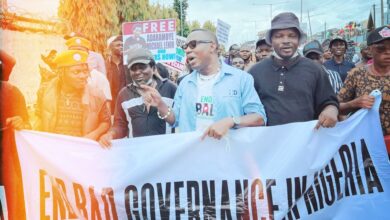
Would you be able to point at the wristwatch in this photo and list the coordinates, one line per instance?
(236, 121)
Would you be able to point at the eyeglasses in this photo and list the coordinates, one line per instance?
(381, 48)
(192, 44)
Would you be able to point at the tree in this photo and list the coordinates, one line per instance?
(194, 25)
(160, 12)
(96, 20)
(100, 19)
(209, 25)
(132, 10)
(180, 6)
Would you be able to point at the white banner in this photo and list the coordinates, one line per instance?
(290, 171)
(223, 30)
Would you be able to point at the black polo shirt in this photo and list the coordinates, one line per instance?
(293, 92)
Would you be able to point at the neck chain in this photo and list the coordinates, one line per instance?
(68, 97)
(208, 77)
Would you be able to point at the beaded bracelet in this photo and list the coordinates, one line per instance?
(165, 116)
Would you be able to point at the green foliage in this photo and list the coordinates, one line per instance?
(194, 25)
(100, 19)
(209, 25)
(180, 6)
(96, 20)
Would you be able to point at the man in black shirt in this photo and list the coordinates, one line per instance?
(291, 87)
(132, 117)
(115, 69)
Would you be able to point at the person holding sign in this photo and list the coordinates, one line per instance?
(214, 98)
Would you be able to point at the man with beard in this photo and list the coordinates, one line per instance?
(133, 117)
(215, 97)
(338, 63)
(292, 87)
(361, 81)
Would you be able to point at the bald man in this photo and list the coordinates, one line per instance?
(214, 97)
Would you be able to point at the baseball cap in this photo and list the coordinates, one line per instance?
(378, 35)
(313, 47)
(261, 42)
(338, 39)
(138, 55)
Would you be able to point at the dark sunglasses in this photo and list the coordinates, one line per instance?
(192, 44)
(381, 48)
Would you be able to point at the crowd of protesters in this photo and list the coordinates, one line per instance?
(269, 83)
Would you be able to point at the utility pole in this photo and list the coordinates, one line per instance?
(373, 13)
(382, 14)
(270, 7)
(181, 18)
(308, 17)
(301, 9)
(325, 31)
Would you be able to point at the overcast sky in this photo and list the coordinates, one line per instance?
(247, 17)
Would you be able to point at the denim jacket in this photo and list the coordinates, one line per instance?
(234, 95)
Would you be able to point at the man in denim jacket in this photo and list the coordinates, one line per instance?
(215, 97)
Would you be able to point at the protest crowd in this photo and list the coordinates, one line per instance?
(129, 94)
(87, 96)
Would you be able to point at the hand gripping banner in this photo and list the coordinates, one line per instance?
(281, 172)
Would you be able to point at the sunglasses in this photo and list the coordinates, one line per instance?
(192, 44)
(381, 48)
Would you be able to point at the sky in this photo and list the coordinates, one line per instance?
(248, 17)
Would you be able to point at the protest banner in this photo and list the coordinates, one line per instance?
(159, 36)
(290, 171)
(223, 30)
(179, 63)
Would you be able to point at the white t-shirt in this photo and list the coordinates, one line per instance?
(204, 104)
(99, 81)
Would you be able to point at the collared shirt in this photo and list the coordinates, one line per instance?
(342, 68)
(295, 92)
(234, 92)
